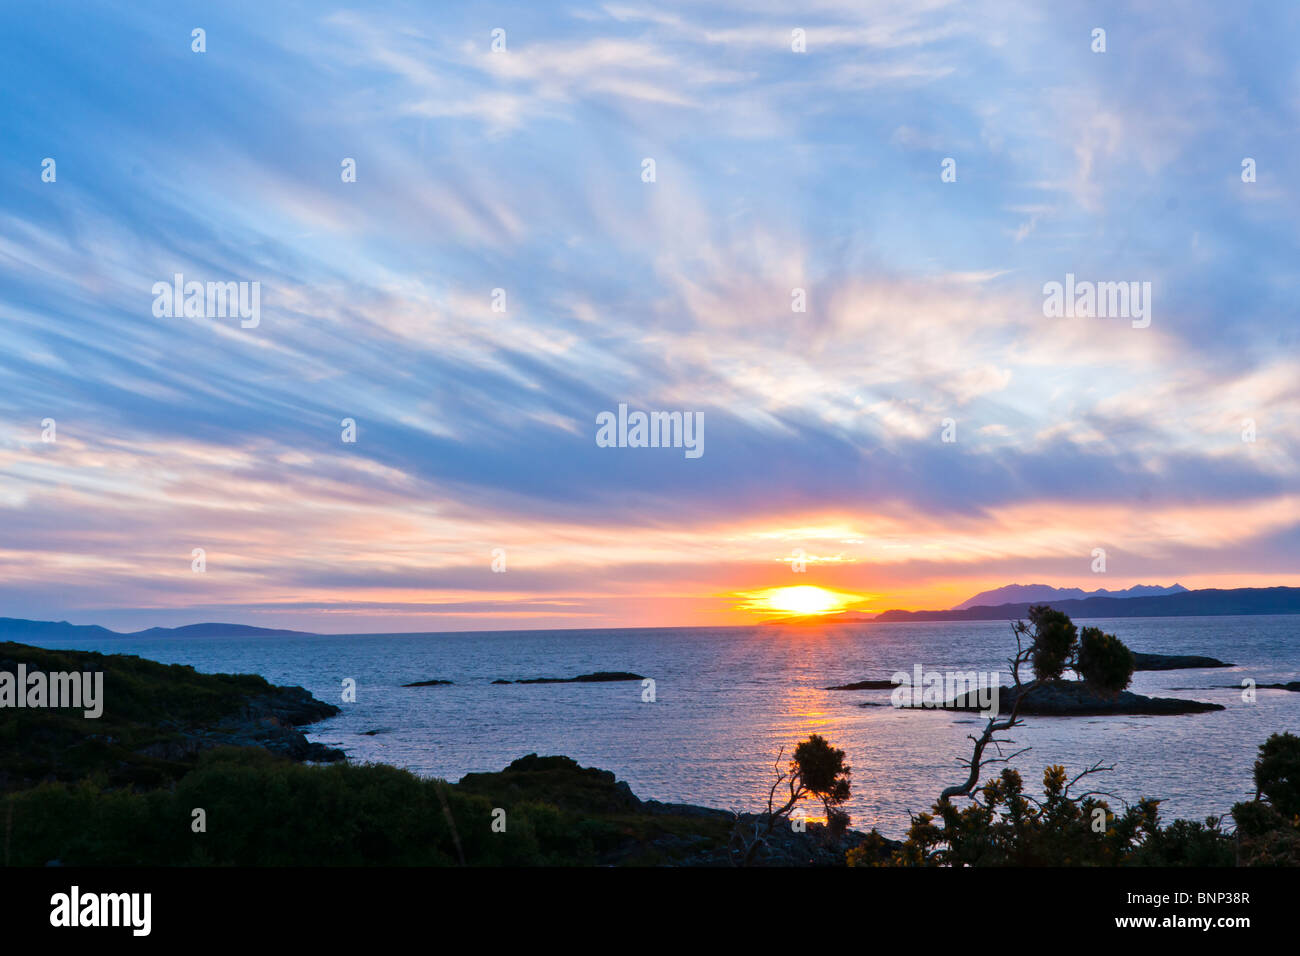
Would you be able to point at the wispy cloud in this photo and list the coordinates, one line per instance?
(500, 273)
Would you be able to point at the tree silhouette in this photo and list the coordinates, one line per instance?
(816, 771)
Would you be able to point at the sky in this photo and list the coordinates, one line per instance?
(921, 431)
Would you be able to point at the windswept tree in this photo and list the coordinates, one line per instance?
(1052, 641)
(816, 772)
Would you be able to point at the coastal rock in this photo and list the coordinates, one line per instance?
(294, 706)
(785, 846)
(865, 685)
(275, 718)
(599, 677)
(651, 832)
(1291, 685)
(427, 683)
(558, 780)
(684, 810)
(1173, 662)
(1069, 698)
(157, 718)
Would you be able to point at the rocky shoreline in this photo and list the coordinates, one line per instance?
(269, 721)
(157, 719)
(685, 834)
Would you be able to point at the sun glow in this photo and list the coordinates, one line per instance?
(805, 599)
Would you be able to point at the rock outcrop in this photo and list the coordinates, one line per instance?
(1173, 662)
(599, 677)
(156, 718)
(1069, 698)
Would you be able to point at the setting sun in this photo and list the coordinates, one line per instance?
(805, 599)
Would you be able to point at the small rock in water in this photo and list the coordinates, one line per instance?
(597, 678)
(1173, 662)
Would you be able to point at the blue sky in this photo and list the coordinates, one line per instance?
(522, 170)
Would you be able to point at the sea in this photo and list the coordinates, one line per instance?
(730, 703)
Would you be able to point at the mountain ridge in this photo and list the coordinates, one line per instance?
(13, 628)
(1207, 602)
(1038, 593)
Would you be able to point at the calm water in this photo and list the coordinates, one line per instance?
(729, 698)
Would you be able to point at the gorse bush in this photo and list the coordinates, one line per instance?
(1103, 661)
(1007, 827)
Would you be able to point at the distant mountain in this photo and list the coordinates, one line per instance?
(216, 630)
(15, 629)
(1039, 593)
(1207, 602)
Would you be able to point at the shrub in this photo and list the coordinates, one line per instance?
(1277, 773)
(1103, 661)
(1053, 641)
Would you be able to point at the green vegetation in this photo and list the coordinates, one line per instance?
(1007, 827)
(1277, 773)
(264, 810)
(156, 718)
(1102, 661)
(817, 771)
(1268, 827)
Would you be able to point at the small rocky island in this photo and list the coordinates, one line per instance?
(1173, 662)
(1055, 646)
(599, 677)
(1072, 698)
